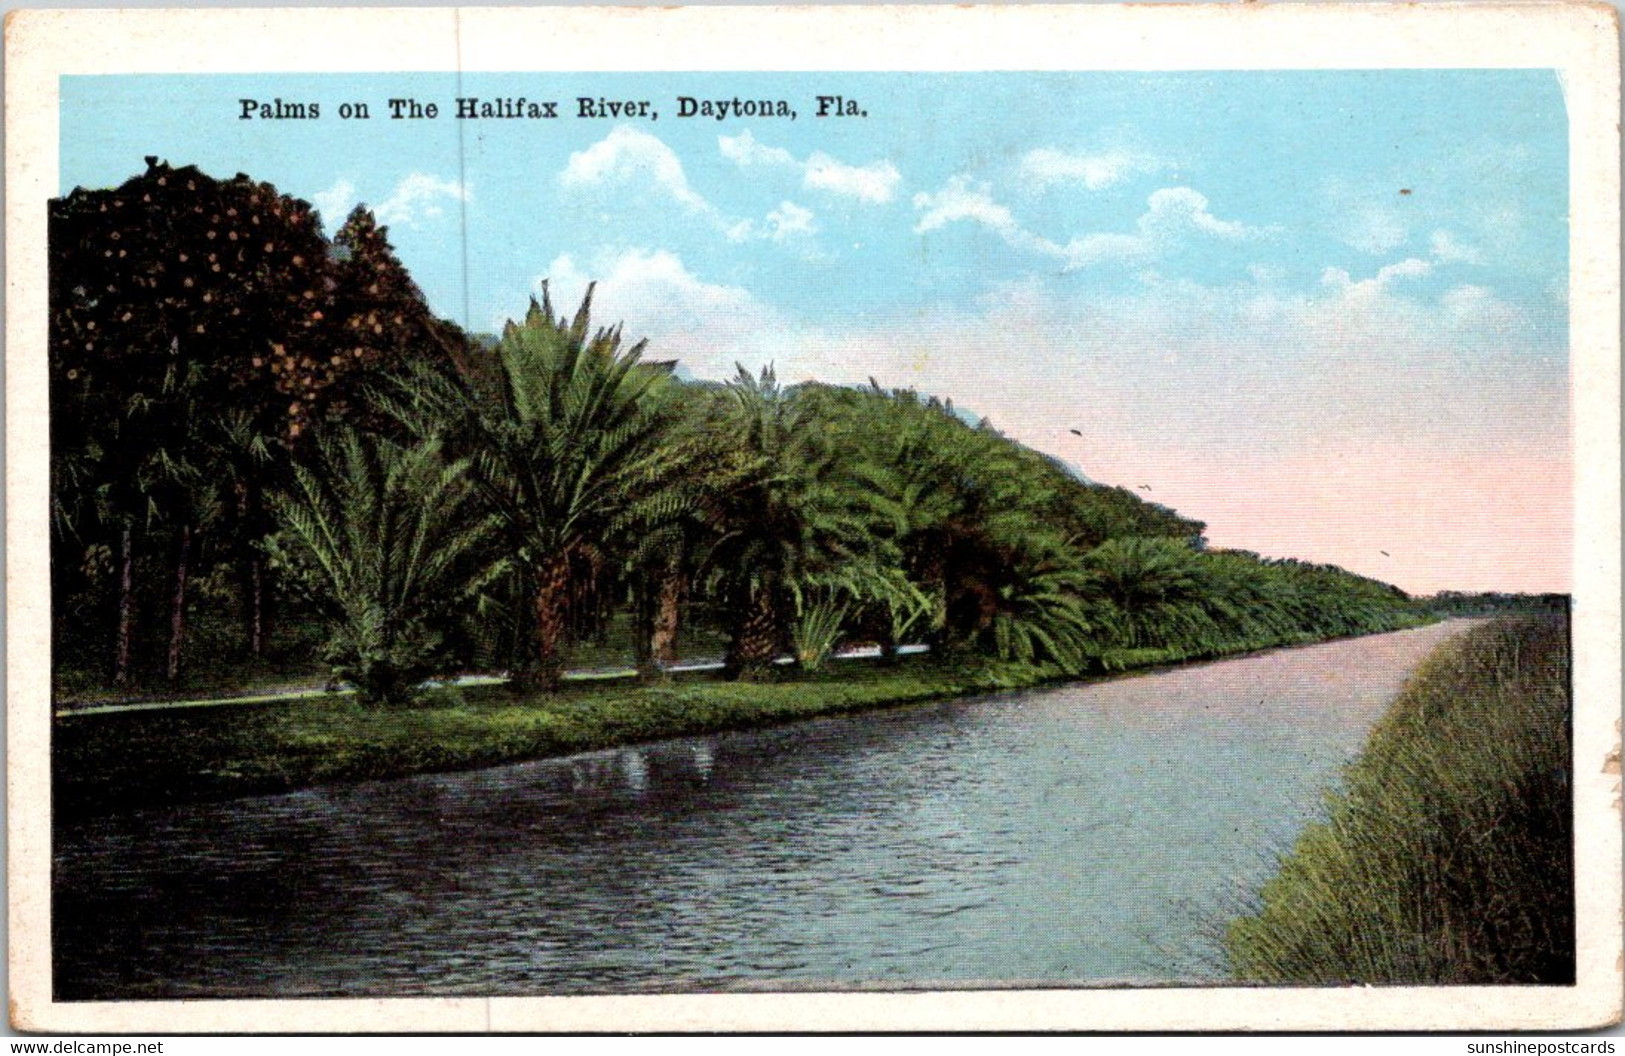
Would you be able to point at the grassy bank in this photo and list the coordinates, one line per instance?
(103, 761)
(1448, 856)
(110, 761)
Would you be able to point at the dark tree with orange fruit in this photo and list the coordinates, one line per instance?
(198, 328)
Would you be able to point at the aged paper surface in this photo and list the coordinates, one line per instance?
(71, 88)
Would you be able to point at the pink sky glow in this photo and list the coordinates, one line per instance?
(1447, 522)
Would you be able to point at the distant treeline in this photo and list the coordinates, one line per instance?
(1459, 603)
(268, 455)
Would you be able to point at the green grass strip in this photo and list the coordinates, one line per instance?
(114, 757)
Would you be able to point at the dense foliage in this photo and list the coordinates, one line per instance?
(200, 330)
(1448, 857)
(252, 419)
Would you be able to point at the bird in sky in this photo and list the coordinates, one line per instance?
(1075, 432)
(1145, 487)
(1385, 553)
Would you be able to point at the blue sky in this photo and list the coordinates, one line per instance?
(1324, 311)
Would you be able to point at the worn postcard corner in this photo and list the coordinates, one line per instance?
(790, 518)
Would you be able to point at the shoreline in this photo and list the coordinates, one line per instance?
(108, 761)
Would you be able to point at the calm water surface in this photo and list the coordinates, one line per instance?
(1076, 835)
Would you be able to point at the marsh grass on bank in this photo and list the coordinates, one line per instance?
(1448, 855)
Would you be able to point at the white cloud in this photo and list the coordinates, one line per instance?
(1468, 302)
(1367, 214)
(875, 182)
(745, 150)
(335, 204)
(706, 325)
(1176, 209)
(710, 327)
(1447, 250)
(961, 200)
(1046, 167)
(646, 278)
(1092, 249)
(419, 197)
(1172, 215)
(1379, 227)
(1409, 268)
(739, 230)
(1375, 229)
(788, 221)
(1471, 308)
(628, 153)
(1339, 279)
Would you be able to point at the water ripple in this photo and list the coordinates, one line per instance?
(1073, 835)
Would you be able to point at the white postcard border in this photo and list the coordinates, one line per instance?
(1577, 39)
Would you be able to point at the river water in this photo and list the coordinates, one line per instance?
(1081, 835)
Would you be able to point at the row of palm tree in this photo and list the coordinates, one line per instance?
(253, 424)
(574, 469)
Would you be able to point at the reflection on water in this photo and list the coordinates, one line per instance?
(1077, 835)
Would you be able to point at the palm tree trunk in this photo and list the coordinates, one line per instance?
(520, 646)
(643, 630)
(602, 616)
(256, 606)
(660, 608)
(552, 620)
(250, 515)
(126, 609)
(935, 579)
(888, 645)
(669, 595)
(755, 638)
(177, 617)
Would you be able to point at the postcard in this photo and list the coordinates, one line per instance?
(911, 518)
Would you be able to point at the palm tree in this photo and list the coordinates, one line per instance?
(794, 520)
(909, 462)
(967, 520)
(1043, 616)
(388, 540)
(675, 525)
(254, 463)
(133, 464)
(1154, 590)
(569, 445)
